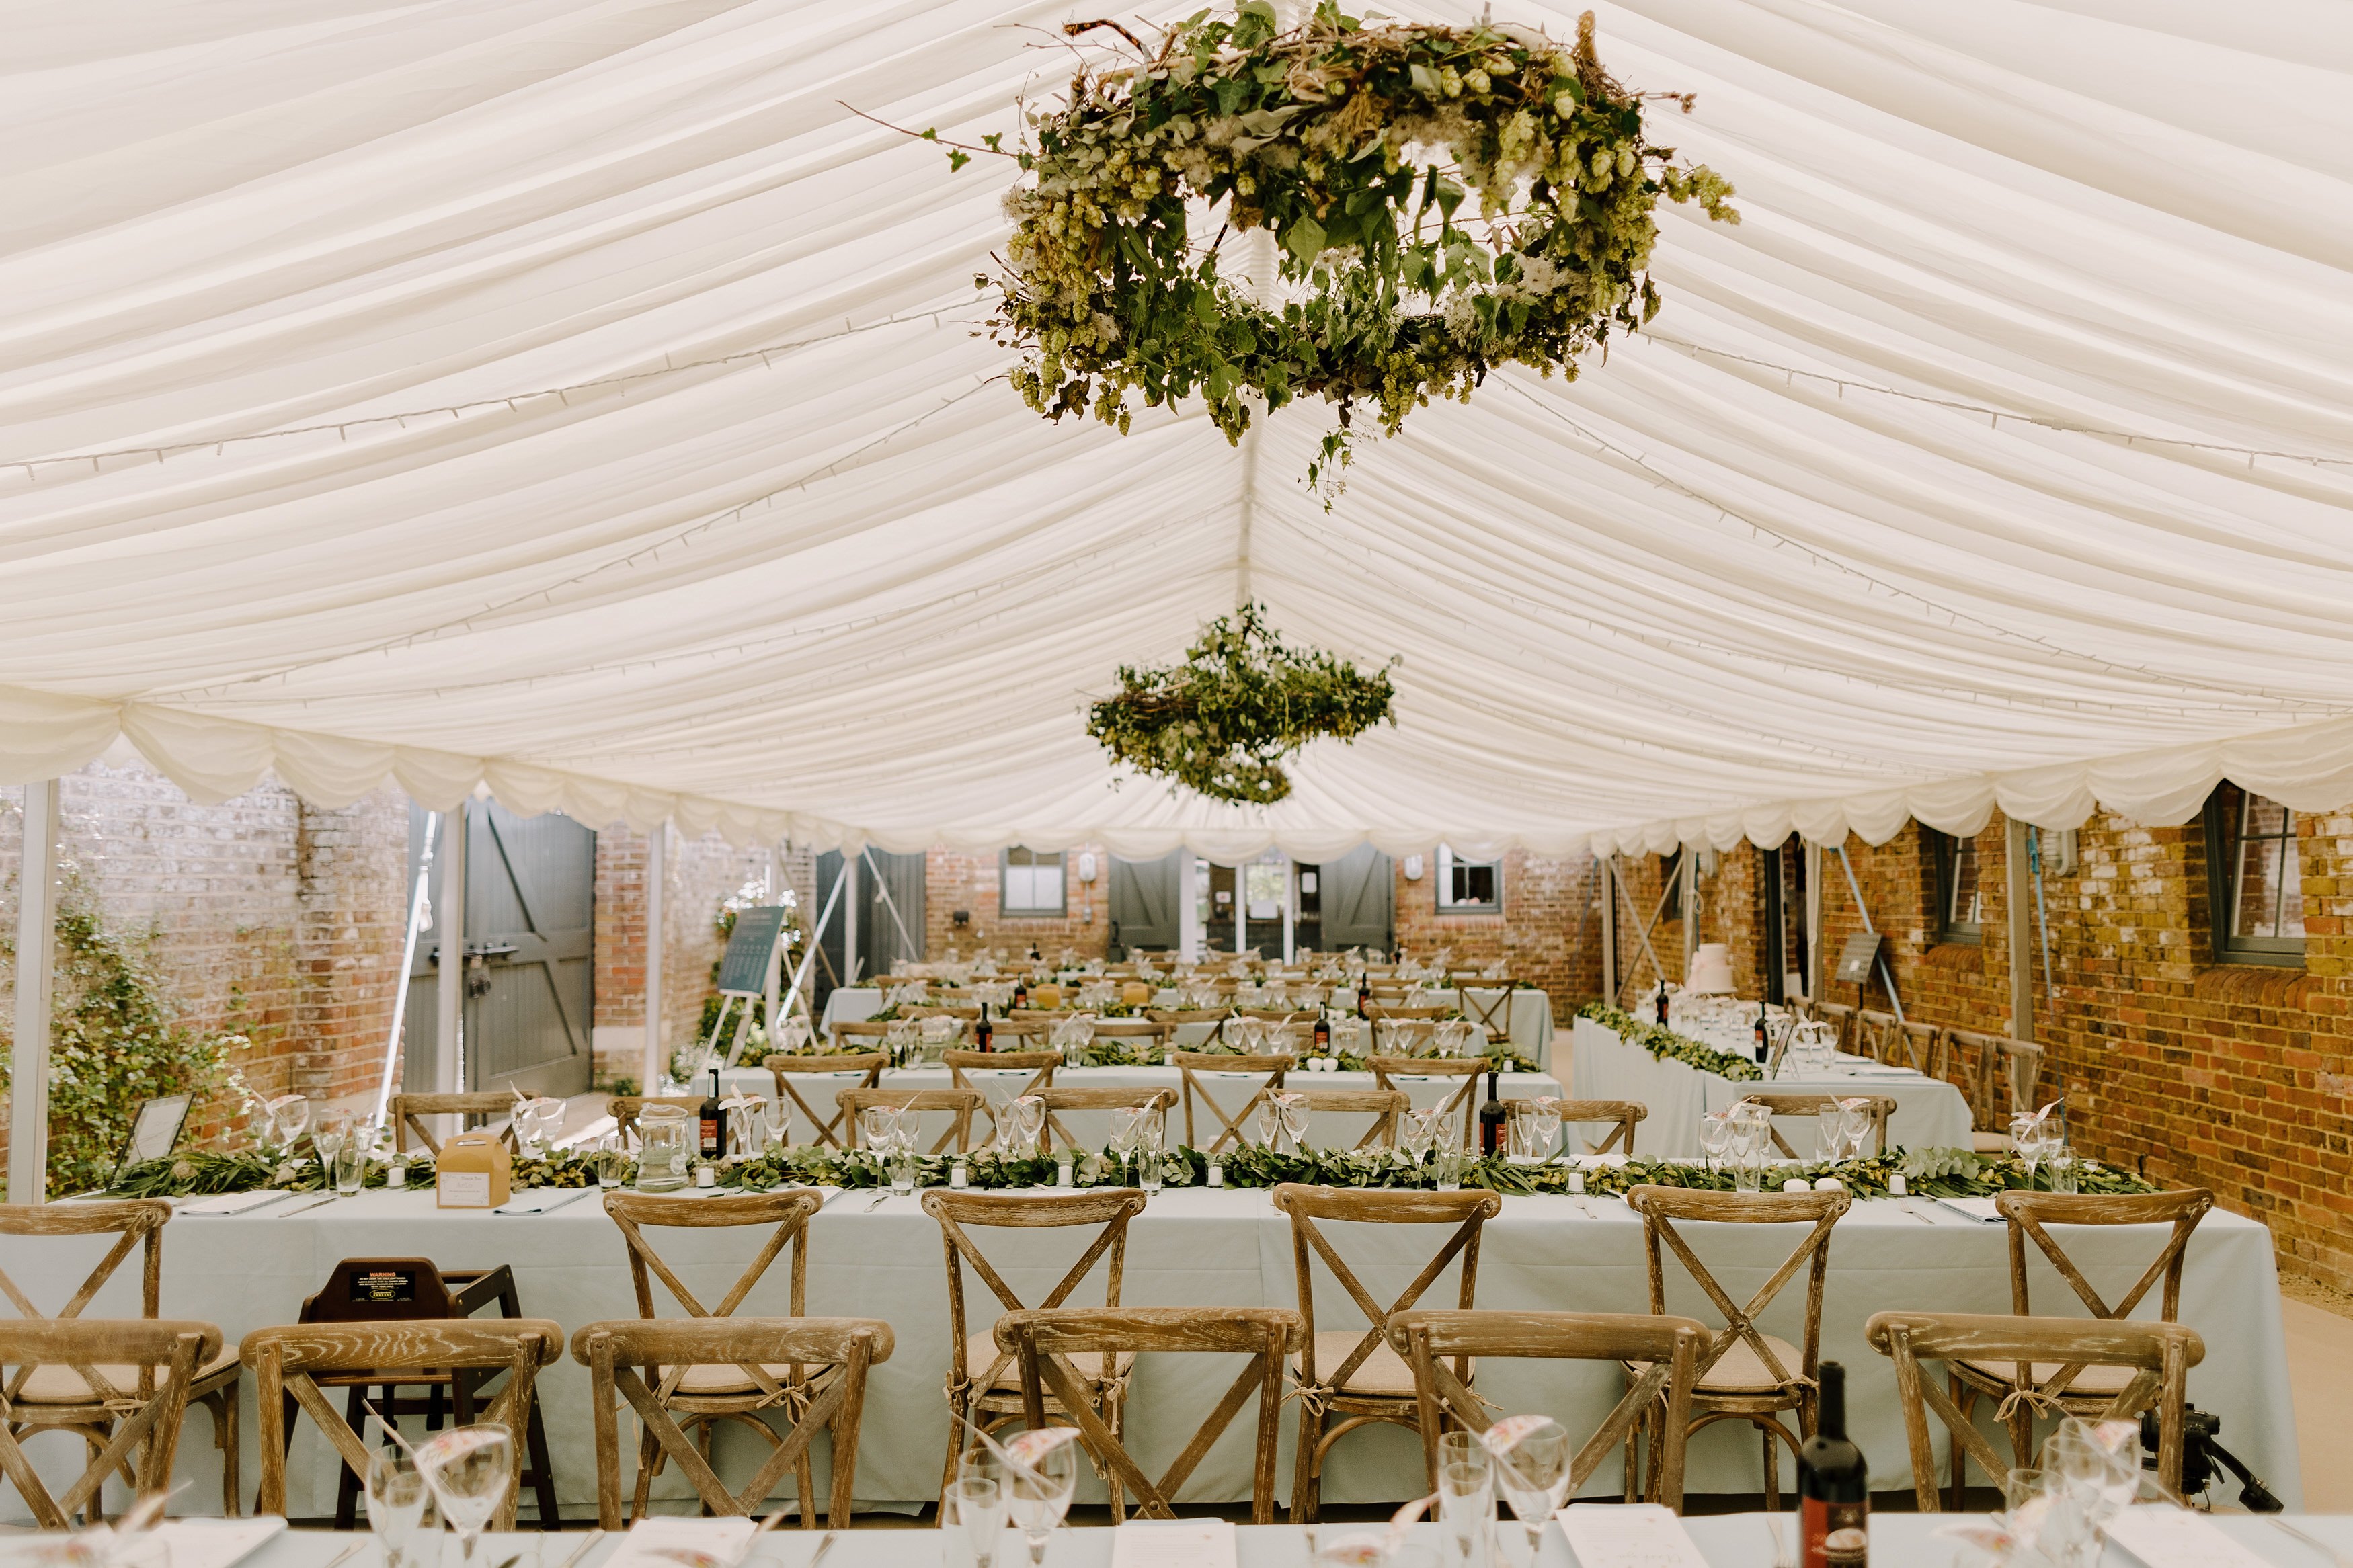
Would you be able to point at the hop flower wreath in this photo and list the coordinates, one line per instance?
(1356, 146)
(1220, 722)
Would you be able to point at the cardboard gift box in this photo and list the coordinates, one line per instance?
(474, 1172)
(1135, 994)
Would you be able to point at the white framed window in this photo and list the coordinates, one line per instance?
(1030, 882)
(1469, 887)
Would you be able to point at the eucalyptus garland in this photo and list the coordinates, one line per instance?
(1221, 722)
(1663, 1042)
(1356, 146)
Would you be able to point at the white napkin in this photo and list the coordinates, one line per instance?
(1976, 1208)
(235, 1203)
(675, 1542)
(1639, 1535)
(1176, 1544)
(2169, 1537)
(215, 1542)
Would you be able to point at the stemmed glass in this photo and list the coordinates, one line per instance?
(1548, 1125)
(775, 1119)
(1040, 1479)
(1466, 1494)
(1270, 1125)
(334, 1131)
(1530, 1455)
(1716, 1134)
(469, 1470)
(290, 1118)
(976, 1505)
(1029, 1113)
(1151, 1135)
(1854, 1122)
(2099, 1464)
(1293, 1110)
(1421, 1130)
(1830, 1124)
(397, 1498)
(1124, 1132)
(2026, 1136)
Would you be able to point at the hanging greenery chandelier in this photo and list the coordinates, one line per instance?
(1356, 146)
(1221, 722)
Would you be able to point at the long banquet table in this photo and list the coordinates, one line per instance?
(1200, 1247)
(1929, 1112)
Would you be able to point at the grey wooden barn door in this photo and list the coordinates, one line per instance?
(1144, 910)
(1358, 899)
(890, 917)
(531, 898)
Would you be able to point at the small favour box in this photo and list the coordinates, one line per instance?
(1047, 997)
(474, 1172)
(1135, 994)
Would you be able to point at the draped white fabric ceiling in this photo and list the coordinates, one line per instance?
(848, 588)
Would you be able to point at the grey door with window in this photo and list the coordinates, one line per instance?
(1146, 911)
(531, 899)
(890, 917)
(1358, 899)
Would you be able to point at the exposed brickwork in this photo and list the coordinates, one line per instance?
(1548, 930)
(953, 880)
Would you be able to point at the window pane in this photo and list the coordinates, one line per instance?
(2291, 881)
(1964, 905)
(1046, 891)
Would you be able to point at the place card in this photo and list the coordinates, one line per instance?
(1635, 1535)
(1176, 1543)
(215, 1542)
(665, 1541)
(235, 1203)
(1980, 1209)
(2163, 1536)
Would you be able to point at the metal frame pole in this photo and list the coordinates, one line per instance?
(37, 968)
(2015, 856)
(1886, 972)
(417, 901)
(657, 873)
(449, 984)
(1610, 933)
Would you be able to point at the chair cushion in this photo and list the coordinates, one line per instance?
(53, 1384)
(725, 1377)
(1991, 1143)
(1742, 1369)
(1383, 1373)
(2092, 1380)
(980, 1351)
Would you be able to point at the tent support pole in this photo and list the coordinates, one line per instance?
(37, 970)
(407, 962)
(809, 958)
(1610, 933)
(1813, 919)
(1886, 974)
(2016, 852)
(657, 873)
(449, 982)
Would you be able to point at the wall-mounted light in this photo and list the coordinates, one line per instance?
(1087, 868)
(1413, 868)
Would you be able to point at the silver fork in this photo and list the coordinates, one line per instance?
(881, 1198)
(2334, 1556)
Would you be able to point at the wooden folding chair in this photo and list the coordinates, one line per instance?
(1841, 1016)
(1172, 1018)
(402, 1290)
(623, 1108)
(1058, 1100)
(849, 1034)
(1624, 1114)
(621, 1355)
(1039, 1065)
(1157, 1034)
(1745, 1374)
(289, 1361)
(1387, 1069)
(961, 1103)
(993, 1399)
(707, 1394)
(1044, 1340)
(57, 1394)
(1881, 1108)
(1494, 1012)
(1267, 1070)
(830, 1131)
(1383, 1105)
(116, 1362)
(1980, 1063)
(407, 1112)
(1350, 1373)
(1667, 1348)
(1880, 1037)
(2148, 1363)
(2024, 1389)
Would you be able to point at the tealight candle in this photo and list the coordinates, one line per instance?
(1797, 1185)
(1063, 1174)
(956, 1173)
(1577, 1183)
(395, 1175)
(704, 1176)
(1217, 1174)
(1895, 1185)
(1827, 1185)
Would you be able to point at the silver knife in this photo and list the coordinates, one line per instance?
(290, 1213)
(577, 1553)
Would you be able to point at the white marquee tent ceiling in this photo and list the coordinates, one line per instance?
(785, 558)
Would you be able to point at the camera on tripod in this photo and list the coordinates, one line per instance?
(2199, 1455)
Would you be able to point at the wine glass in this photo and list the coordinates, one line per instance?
(1548, 1125)
(976, 1504)
(290, 1116)
(334, 1131)
(1854, 1121)
(1124, 1132)
(775, 1119)
(1421, 1130)
(1466, 1498)
(1270, 1125)
(1043, 1472)
(469, 1470)
(1830, 1123)
(881, 1125)
(1530, 1455)
(398, 1500)
(2099, 1463)
(1151, 1137)
(1293, 1111)
(1715, 1130)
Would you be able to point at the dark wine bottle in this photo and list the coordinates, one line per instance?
(1764, 1037)
(1492, 1120)
(982, 1034)
(1322, 1034)
(1363, 996)
(713, 1129)
(1021, 993)
(1833, 1484)
(1662, 1004)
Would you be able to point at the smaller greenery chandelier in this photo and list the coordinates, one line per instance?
(1221, 722)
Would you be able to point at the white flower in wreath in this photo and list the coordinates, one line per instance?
(291, 1171)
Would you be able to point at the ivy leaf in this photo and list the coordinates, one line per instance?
(1450, 195)
(957, 159)
(1304, 240)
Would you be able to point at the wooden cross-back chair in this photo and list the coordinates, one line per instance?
(407, 1113)
(1387, 1069)
(291, 1361)
(865, 1034)
(984, 1385)
(2148, 1364)
(1058, 1100)
(624, 1109)
(701, 1396)
(1667, 1347)
(962, 1011)
(959, 1103)
(1494, 1012)
(1039, 1065)
(1267, 1070)
(57, 1394)
(1379, 1009)
(2071, 1388)
(1150, 1029)
(1383, 1105)
(1174, 1019)
(154, 1363)
(1623, 1115)
(1349, 1378)
(2000, 1076)
(1881, 1108)
(1044, 1340)
(1841, 1016)
(622, 1355)
(1744, 1374)
(867, 1065)
(1884, 1037)
(401, 1289)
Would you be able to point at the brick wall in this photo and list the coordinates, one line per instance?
(954, 881)
(1548, 930)
(1645, 877)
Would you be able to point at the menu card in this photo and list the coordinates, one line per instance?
(1176, 1544)
(677, 1543)
(2166, 1537)
(215, 1542)
(1638, 1535)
